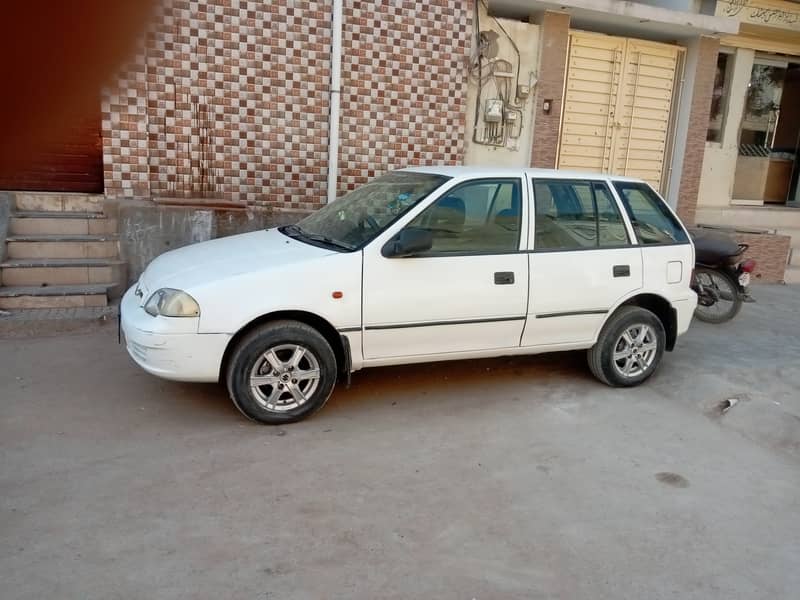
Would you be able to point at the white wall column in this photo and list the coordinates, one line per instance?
(684, 111)
(719, 166)
(740, 79)
(336, 83)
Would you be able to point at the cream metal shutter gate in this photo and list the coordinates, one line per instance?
(618, 99)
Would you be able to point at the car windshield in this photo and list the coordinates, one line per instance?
(350, 222)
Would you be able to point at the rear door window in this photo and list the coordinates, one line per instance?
(652, 220)
(576, 215)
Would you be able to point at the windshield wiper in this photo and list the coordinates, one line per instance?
(295, 232)
(291, 230)
(327, 240)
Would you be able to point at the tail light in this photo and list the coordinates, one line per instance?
(748, 266)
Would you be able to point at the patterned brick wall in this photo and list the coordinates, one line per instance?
(554, 40)
(403, 85)
(233, 97)
(124, 131)
(698, 125)
(229, 98)
(771, 253)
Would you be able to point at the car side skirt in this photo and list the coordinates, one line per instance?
(513, 351)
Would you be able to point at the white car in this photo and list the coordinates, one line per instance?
(422, 264)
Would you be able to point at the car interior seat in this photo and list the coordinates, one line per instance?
(553, 209)
(508, 218)
(449, 215)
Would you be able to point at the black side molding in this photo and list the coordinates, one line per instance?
(441, 323)
(573, 313)
(349, 329)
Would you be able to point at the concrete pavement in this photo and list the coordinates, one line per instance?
(493, 479)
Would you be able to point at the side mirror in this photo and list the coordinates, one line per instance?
(408, 242)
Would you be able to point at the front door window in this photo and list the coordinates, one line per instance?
(479, 217)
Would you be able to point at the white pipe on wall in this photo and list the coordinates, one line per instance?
(336, 82)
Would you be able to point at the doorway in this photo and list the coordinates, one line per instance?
(769, 134)
(617, 115)
(68, 158)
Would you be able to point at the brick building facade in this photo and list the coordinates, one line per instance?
(230, 99)
(219, 122)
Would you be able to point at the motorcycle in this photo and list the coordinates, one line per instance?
(719, 279)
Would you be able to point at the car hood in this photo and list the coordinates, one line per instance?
(223, 258)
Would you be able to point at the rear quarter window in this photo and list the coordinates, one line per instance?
(651, 218)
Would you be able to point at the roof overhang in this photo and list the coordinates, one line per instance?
(622, 18)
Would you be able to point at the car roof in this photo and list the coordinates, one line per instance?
(476, 172)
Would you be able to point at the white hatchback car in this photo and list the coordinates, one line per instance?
(422, 264)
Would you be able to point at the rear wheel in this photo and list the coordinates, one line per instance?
(629, 348)
(720, 300)
(281, 372)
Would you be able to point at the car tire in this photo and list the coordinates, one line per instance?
(629, 347)
(281, 372)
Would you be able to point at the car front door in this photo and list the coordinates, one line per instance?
(468, 292)
(582, 261)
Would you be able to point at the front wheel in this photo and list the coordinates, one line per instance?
(281, 372)
(629, 348)
(720, 300)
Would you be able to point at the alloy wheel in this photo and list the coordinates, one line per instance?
(285, 377)
(635, 350)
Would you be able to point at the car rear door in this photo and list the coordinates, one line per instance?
(582, 260)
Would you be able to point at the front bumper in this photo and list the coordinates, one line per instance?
(183, 356)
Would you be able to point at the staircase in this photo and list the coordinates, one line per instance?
(62, 252)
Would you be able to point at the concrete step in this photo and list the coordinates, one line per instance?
(61, 271)
(54, 296)
(37, 322)
(58, 202)
(60, 223)
(62, 246)
(758, 217)
(792, 232)
(792, 275)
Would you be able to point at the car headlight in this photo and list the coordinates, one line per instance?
(171, 303)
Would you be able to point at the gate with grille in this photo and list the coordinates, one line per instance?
(618, 106)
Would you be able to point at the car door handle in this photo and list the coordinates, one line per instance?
(622, 270)
(504, 278)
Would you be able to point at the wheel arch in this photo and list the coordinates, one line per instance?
(659, 306)
(338, 342)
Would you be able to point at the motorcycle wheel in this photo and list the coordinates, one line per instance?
(725, 290)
